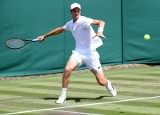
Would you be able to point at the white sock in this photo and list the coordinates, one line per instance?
(109, 85)
(64, 92)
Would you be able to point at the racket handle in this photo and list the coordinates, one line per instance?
(36, 40)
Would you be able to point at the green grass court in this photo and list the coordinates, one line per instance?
(138, 94)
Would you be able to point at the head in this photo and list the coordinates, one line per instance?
(75, 11)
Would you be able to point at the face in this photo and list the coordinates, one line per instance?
(75, 13)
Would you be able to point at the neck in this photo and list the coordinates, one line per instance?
(74, 20)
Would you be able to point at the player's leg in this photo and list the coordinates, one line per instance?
(72, 64)
(96, 69)
(101, 79)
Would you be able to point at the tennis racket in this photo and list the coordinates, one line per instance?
(17, 43)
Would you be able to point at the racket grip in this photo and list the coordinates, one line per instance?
(36, 40)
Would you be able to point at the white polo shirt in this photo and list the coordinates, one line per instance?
(83, 34)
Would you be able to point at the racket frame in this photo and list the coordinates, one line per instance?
(26, 41)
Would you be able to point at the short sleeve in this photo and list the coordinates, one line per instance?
(88, 21)
(66, 26)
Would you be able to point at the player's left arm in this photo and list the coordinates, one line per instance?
(101, 25)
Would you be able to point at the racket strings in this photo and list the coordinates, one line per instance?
(15, 43)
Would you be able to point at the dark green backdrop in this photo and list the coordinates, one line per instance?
(126, 23)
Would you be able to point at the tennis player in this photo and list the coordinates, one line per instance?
(85, 50)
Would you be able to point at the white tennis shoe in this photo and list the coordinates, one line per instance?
(61, 100)
(113, 92)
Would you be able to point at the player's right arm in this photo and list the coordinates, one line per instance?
(53, 32)
(101, 25)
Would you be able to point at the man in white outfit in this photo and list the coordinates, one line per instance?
(85, 50)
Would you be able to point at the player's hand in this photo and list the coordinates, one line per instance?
(41, 38)
(99, 34)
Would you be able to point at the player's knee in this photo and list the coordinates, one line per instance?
(67, 70)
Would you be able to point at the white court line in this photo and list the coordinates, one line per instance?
(75, 106)
(80, 113)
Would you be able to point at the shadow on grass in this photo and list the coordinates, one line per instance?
(78, 99)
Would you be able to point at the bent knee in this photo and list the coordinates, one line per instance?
(68, 70)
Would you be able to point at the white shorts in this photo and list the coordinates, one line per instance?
(91, 61)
